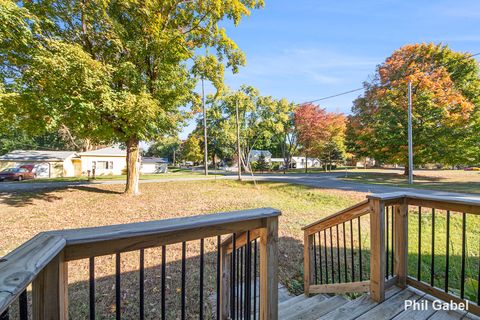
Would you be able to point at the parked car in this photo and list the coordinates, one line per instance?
(16, 174)
(472, 169)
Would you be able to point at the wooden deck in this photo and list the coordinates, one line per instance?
(324, 307)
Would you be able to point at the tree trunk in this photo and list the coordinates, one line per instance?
(405, 171)
(306, 164)
(133, 166)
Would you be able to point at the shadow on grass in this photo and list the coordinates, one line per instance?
(20, 198)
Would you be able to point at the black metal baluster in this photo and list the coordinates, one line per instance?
(326, 255)
(237, 285)
(248, 262)
(360, 249)
(447, 253)
(183, 300)
(315, 259)
(387, 242)
(320, 257)
(242, 282)
(338, 257)
(219, 247)
(4, 315)
(352, 260)
(432, 261)
(255, 280)
(464, 243)
(142, 284)
(331, 256)
(200, 304)
(392, 237)
(232, 281)
(345, 254)
(164, 270)
(117, 287)
(419, 257)
(91, 270)
(23, 305)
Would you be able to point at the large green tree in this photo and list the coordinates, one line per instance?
(113, 71)
(446, 102)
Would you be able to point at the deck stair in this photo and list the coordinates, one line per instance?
(339, 307)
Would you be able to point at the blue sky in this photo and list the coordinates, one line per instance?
(303, 50)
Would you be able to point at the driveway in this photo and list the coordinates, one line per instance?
(322, 180)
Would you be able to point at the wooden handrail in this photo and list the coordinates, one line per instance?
(357, 210)
(21, 266)
(43, 260)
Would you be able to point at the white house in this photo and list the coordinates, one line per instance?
(154, 165)
(46, 164)
(255, 155)
(105, 161)
(299, 162)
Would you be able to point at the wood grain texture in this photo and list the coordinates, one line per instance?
(21, 266)
(377, 247)
(240, 240)
(352, 212)
(50, 291)
(308, 263)
(338, 288)
(422, 286)
(269, 270)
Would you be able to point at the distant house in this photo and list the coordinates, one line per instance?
(154, 165)
(300, 163)
(46, 164)
(255, 155)
(105, 161)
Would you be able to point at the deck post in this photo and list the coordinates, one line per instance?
(377, 247)
(269, 269)
(401, 243)
(308, 268)
(225, 283)
(50, 291)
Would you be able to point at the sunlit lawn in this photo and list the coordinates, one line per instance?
(25, 214)
(445, 180)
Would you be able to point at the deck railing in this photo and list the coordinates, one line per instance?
(429, 242)
(43, 263)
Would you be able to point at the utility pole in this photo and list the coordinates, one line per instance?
(238, 142)
(410, 142)
(205, 148)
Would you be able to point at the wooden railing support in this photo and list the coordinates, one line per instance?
(50, 291)
(309, 266)
(377, 247)
(401, 244)
(269, 270)
(225, 284)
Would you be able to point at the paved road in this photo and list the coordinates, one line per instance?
(322, 180)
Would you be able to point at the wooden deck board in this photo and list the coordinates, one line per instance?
(391, 307)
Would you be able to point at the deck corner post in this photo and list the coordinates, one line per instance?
(50, 291)
(224, 283)
(269, 270)
(377, 247)
(308, 263)
(401, 243)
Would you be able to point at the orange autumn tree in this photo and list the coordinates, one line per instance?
(320, 133)
(445, 95)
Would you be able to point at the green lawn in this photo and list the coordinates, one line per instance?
(25, 214)
(444, 180)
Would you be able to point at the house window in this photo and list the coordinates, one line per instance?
(105, 165)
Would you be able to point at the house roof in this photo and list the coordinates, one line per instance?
(113, 151)
(154, 160)
(37, 155)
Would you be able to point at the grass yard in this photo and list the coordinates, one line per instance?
(23, 215)
(445, 180)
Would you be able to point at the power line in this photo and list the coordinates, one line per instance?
(358, 89)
